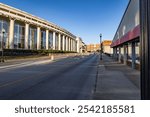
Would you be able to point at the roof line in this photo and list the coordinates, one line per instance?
(122, 18)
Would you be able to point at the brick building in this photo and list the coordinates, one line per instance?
(96, 47)
(93, 47)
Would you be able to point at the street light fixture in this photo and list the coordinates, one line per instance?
(2, 48)
(100, 46)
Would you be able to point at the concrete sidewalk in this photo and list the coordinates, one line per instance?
(116, 81)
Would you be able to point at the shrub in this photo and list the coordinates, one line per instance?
(22, 52)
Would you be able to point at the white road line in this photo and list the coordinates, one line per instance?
(24, 64)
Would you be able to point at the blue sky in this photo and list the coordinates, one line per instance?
(84, 18)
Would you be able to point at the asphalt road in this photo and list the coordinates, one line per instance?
(67, 79)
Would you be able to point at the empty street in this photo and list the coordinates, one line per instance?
(69, 78)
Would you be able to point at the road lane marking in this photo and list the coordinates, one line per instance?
(24, 64)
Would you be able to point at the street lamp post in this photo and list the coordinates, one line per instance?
(100, 46)
(144, 48)
(2, 49)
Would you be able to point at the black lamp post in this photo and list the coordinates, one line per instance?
(2, 49)
(100, 46)
(145, 48)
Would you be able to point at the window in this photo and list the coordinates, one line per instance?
(4, 38)
(43, 40)
(32, 41)
(50, 40)
(19, 36)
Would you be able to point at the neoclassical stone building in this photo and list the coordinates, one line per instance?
(21, 30)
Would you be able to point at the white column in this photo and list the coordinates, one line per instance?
(63, 42)
(47, 38)
(54, 40)
(38, 38)
(26, 35)
(11, 34)
(78, 45)
(73, 45)
(59, 41)
(66, 43)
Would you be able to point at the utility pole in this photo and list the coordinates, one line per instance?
(145, 48)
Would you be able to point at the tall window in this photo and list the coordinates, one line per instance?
(71, 44)
(50, 40)
(56, 40)
(65, 43)
(43, 39)
(19, 36)
(4, 26)
(61, 42)
(32, 42)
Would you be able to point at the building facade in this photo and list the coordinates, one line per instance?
(21, 30)
(126, 40)
(106, 45)
(81, 46)
(93, 47)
